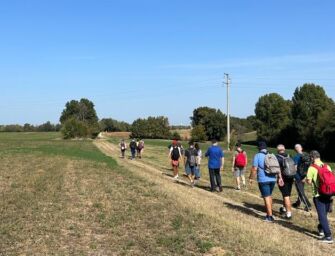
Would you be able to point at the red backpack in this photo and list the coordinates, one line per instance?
(326, 180)
(241, 160)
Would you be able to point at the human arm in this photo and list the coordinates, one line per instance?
(252, 175)
(222, 163)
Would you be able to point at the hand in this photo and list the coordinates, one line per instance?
(221, 169)
(251, 181)
(281, 182)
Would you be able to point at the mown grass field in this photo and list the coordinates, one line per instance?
(68, 198)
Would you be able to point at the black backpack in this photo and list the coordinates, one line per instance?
(175, 154)
(305, 162)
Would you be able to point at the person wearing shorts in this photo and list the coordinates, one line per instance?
(239, 166)
(175, 156)
(285, 184)
(266, 182)
(190, 160)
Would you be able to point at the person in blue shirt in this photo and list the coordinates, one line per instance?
(215, 165)
(299, 180)
(266, 182)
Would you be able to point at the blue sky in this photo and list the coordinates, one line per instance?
(149, 57)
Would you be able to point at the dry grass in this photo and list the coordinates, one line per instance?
(239, 214)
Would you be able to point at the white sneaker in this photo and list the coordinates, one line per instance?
(176, 177)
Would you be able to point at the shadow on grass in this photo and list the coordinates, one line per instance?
(249, 209)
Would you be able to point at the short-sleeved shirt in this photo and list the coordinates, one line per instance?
(312, 175)
(215, 155)
(259, 163)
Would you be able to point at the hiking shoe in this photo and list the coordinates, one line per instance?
(176, 177)
(220, 189)
(238, 188)
(282, 210)
(296, 205)
(321, 233)
(288, 217)
(327, 240)
(269, 219)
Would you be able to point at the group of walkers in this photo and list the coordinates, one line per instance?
(304, 168)
(136, 148)
(269, 169)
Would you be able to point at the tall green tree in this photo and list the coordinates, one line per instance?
(82, 110)
(79, 119)
(272, 116)
(212, 120)
(309, 102)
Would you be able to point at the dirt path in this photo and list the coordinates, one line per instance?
(286, 236)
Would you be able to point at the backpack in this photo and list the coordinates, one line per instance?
(192, 160)
(241, 160)
(132, 144)
(326, 180)
(289, 169)
(175, 154)
(271, 164)
(304, 164)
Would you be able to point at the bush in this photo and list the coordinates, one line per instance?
(198, 133)
(175, 136)
(73, 128)
(151, 128)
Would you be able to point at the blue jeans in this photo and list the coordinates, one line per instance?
(133, 152)
(322, 205)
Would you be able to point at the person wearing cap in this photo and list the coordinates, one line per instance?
(175, 156)
(240, 161)
(266, 182)
(322, 203)
(285, 183)
(215, 165)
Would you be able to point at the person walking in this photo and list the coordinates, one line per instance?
(266, 181)
(197, 173)
(322, 201)
(190, 160)
(175, 156)
(302, 162)
(240, 161)
(140, 149)
(285, 181)
(133, 147)
(123, 148)
(215, 165)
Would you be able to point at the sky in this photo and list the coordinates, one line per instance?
(159, 57)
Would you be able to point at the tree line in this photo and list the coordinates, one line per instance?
(307, 118)
(45, 127)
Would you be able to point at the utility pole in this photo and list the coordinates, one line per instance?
(227, 83)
